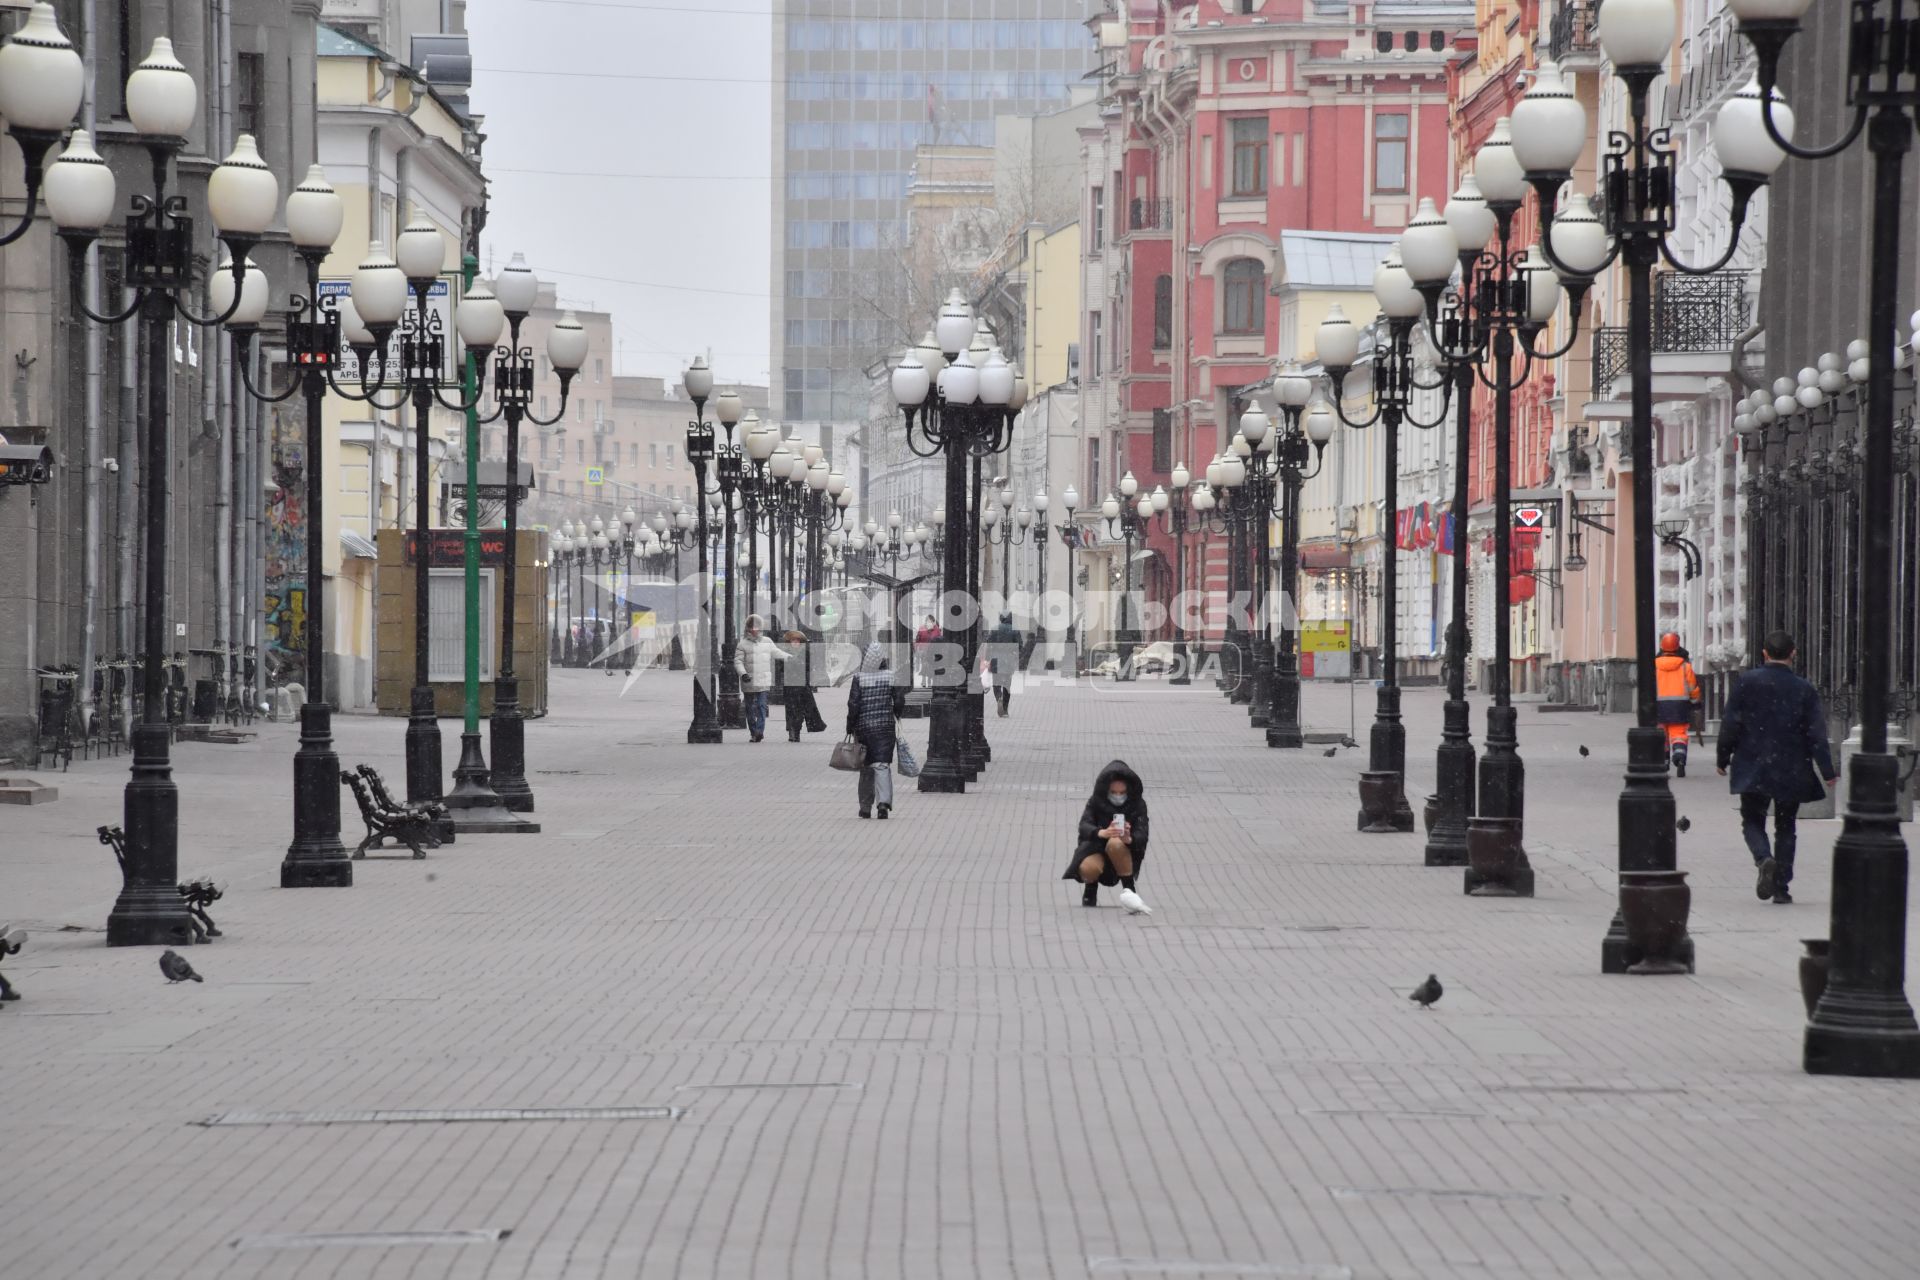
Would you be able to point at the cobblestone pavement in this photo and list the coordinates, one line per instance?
(902, 1049)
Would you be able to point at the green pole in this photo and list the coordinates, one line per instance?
(470, 267)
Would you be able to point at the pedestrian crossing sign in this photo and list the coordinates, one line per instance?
(596, 475)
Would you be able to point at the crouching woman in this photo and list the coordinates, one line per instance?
(1113, 838)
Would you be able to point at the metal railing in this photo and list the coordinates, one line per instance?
(1690, 313)
(1150, 215)
(1574, 30)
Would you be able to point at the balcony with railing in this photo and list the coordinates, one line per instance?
(1573, 35)
(1695, 322)
(1150, 215)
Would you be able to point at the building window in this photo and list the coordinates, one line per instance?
(653, 455)
(580, 451)
(1163, 441)
(1162, 312)
(1097, 217)
(633, 454)
(249, 97)
(599, 370)
(1244, 285)
(1248, 138)
(1390, 152)
(1094, 319)
(669, 457)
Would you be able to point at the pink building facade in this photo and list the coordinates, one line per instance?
(1224, 123)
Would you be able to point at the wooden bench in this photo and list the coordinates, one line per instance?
(11, 940)
(417, 827)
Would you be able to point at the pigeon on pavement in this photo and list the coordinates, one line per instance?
(1330, 752)
(1684, 824)
(1134, 904)
(1584, 751)
(1427, 993)
(176, 969)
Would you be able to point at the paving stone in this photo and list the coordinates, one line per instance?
(903, 1049)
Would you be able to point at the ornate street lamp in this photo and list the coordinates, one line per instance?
(1070, 536)
(1863, 1024)
(677, 534)
(42, 81)
(1640, 182)
(1309, 426)
(315, 214)
(705, 728)
(162, 102)
(1383, 799)
(1503, 304)
(961, 410)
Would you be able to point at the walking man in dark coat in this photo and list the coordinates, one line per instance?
(1773, 734)
(1001, 653)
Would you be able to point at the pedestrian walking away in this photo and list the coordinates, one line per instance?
(796, 687)
(756, 660)
(1773, 737)
(1676, 698)
(1000, 654)
(1112, 838)
(923, 641)
(871, 718)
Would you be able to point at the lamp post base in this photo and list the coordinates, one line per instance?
(472, 805)
(1383, 795)
(1455, 765)
(1863, 1024)
(676, 654)
(506, 735)
(1260, 697)
(1182, 662)
(733, 707)
(423, 748)
(1496, 864)
(1383, 803)
(150, 911)
(1647, 839)
(945, 772)
(316, 859)
(1283, 718)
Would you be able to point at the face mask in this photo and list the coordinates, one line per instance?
(1118, 799)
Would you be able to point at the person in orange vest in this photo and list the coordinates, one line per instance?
(1676, 692)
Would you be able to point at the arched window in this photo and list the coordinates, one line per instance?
(1162, 312)
(1244, 287)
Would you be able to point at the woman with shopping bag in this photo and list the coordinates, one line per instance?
(871, 717)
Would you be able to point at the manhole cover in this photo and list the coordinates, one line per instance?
(371, 1239)
(477, 1115)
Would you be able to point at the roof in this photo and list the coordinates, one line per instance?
(331, 42)
(1330, 259)
(355, 547)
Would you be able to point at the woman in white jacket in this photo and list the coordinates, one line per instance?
(755, 659)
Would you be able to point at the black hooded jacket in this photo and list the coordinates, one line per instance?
(1099, 812)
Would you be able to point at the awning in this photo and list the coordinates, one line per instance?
(355, 547)
(1322, 556)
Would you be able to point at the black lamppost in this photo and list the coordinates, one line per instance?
(517, 290)
(1863, 1024)
(243, 197)
(705, 728)
(968, 413)
(1070, 539)
(1295, 448)
(1006, 529)
(1171, 515)
(1505, 299)
(1549, 132)
(1042, 535)
(728, 469)
(675, 534)
(559, 547)
(314, 217)
(1255, 443)
(1126, 521)
(1383, 797)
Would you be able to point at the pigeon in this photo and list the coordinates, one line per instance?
(1427, 993)
(1330, 752)
(176, 969)
(1584, 751)
(1348, 742)
(1134, 904)
(1684, 824)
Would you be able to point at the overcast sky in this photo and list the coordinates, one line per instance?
(628, 158)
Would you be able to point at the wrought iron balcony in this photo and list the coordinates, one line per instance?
(1150, 215)
(1573, 35)
(1690, 313)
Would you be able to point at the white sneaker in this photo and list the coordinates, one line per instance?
(1133, 903)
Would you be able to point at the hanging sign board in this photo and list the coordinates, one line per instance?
(439, 322)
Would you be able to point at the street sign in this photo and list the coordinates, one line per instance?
(439, 320)
(596, 475)
(1529, 517)
(1324, 637)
